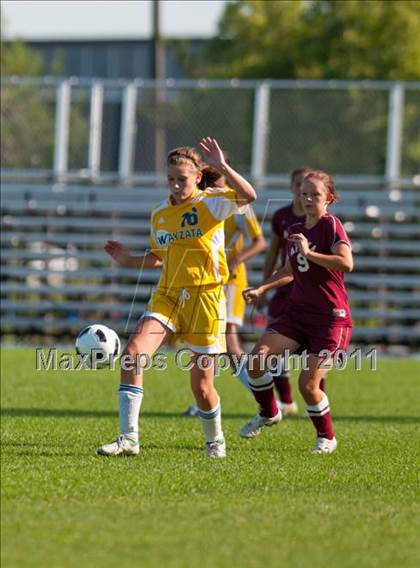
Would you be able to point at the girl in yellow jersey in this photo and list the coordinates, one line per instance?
(187, 241)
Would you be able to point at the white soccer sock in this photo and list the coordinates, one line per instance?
(244, 377)
(262, 383)
(319, 409)
(130, 398)
(211, 421)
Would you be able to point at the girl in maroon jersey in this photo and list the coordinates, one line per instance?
(317, 316)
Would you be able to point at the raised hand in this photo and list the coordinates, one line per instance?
(212, 153)
(119, 252)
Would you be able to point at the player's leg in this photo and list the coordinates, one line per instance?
(204, 326)
(208, 403)
(284, 390)
(281, 379)
(235, 312)
(142, 344)
(232, 346)
(317, 404)
(283, 387)
(261, 382)
(203, 329)
(236, 353)
(320, 339)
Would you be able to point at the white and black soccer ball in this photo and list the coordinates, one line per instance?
(100, 344)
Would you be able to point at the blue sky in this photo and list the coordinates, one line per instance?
(63, 19)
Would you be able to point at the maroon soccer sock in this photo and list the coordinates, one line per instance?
(321, 418)
(263, 391)
(283, 388)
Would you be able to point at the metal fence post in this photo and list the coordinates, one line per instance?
(62, 121)
(394, 135)
(260, 131)
(95, 131)
(127, 132)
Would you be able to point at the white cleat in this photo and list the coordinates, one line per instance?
(191, 411)
(256, 425)
(290, 409)
(216, 449)
(120, 447)
(324, 446)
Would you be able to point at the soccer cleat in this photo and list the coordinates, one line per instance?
(255, 426)
(191, 411)
(120, 447)
(324, 446)
(289, 409)
(216, 449)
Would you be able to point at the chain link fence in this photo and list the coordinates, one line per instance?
(117, 129)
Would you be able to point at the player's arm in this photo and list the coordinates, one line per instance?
(213, 155)
(340, 259)
(124, 257)
(257, 245)
(280, 278)
(272, 255)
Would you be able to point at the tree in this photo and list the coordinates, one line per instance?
(26, 123)
(325, 39)
(322, 39)
(28, 114)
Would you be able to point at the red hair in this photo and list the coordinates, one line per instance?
(327, 182)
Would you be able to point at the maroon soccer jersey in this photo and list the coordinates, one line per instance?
(318, 293)
(280, 222)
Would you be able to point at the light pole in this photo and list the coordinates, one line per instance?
(159, 74)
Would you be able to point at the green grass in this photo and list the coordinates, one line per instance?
(270, 503)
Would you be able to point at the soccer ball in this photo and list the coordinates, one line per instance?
(101, 343)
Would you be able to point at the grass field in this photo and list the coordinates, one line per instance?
(270, 503)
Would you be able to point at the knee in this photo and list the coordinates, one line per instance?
(130, 349)
(256, 365)
(308, 389)
(201, 390)
(133, 352)
(255, 373)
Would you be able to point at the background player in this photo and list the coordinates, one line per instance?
(187, 241)
(317, 316)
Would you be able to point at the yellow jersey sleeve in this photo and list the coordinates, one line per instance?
(222, 203)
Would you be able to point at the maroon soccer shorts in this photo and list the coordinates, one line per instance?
(277, 305)
(313, 337)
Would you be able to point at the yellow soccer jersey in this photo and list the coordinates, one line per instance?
(237, 227)
(189, 238)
